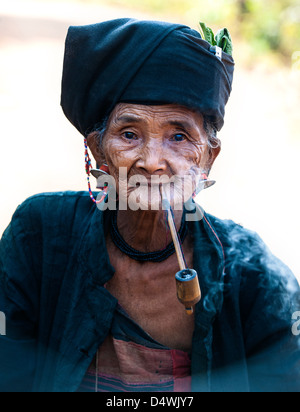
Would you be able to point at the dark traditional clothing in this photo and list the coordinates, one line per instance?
(53, 270)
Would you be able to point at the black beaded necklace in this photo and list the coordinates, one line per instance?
(134, 254)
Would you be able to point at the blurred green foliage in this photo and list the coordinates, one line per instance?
(270, 25)
(266, 26)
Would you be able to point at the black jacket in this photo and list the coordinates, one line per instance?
(53, 267)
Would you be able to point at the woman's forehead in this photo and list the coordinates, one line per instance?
(138, 113)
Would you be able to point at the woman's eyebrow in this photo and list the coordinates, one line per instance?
(131, 118)
(125, 119)
(181, 124)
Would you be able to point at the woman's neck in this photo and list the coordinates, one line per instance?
(146, 231)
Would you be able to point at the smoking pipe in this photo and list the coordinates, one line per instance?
(187, 282)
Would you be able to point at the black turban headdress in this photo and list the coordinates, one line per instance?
(142, 62)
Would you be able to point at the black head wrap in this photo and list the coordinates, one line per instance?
(142, 62)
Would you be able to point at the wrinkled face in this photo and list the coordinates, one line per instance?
(154, 144)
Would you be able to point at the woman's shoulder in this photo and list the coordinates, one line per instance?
(246, 253)
(236, 238)
(249, 259)
(228, 228)
(50, 216)
(50, 199)
(52, 207)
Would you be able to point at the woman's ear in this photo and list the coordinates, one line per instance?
(94, 144)
(213, 153)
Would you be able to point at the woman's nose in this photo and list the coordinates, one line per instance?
(152, 159)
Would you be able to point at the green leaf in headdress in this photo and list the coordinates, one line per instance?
(222, 39)
(208, 34)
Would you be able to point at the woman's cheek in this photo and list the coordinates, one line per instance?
(119, 156)
(185, 160)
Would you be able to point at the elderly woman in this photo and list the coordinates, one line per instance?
(88, 292)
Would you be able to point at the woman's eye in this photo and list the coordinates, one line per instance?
(129, 136)
(179, 137)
